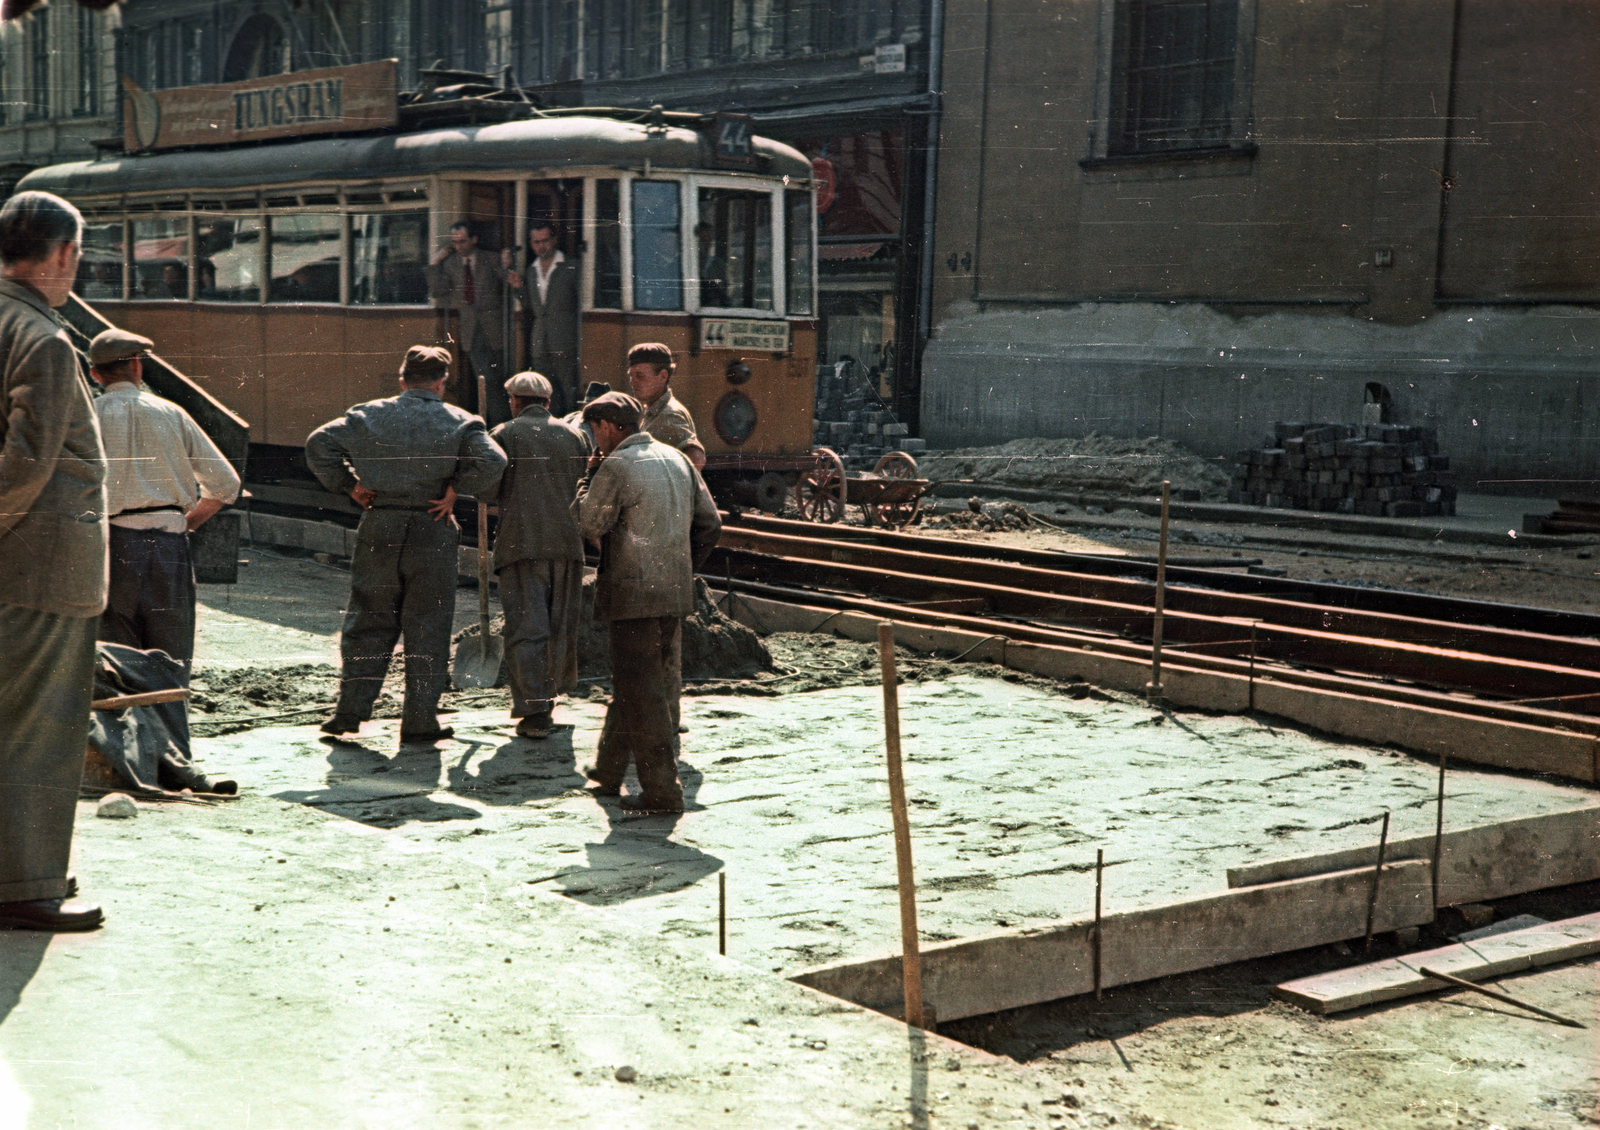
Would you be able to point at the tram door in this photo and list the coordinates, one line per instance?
(558, 203)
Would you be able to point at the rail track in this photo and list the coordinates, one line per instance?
(1531, 666)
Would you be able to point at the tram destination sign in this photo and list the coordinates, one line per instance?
(740, 333)
(329, 100)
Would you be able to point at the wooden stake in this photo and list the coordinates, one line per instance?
(1252, 666)
(1377, 874)
(1438, 836)
(911, 957)
(722, 913)
(1499, 996)
(1153, 692)
(1099, 869)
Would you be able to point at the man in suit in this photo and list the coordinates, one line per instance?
(550, 313)
(53, 559)
(472, 282)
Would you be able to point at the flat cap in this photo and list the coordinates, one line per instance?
(615, 408)
(425, 363)
(595, 391)
(113, 345)
(529, 386)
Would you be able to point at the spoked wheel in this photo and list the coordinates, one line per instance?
(820, 493)
(895, 465)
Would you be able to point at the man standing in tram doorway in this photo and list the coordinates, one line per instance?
(167, 478)
(650, 368)
(654, 519)
(550, 311)
(472, 282)
(403, 460)
(538, 555)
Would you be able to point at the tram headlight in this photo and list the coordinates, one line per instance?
(735, 418)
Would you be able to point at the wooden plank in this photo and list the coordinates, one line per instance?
(1494, 956)
(1013, 968)
(1489, 861)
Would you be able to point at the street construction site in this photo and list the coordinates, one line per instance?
(1191, 800)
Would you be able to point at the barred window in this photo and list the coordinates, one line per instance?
(1172, 80)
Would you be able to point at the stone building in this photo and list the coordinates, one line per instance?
(1191, 218)
(57, 88)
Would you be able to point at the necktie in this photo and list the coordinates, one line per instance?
(468, 291)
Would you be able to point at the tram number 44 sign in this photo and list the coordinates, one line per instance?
(738, 333)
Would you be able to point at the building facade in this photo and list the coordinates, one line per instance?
(1192, 218)
(845, 81)
(57, 88)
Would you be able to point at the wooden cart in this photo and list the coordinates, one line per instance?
(889, 495)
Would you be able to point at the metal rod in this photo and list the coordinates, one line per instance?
(722, 913)
(1377, 874)
(1438, 836)
(1099, 868)
(911, 958)
(1154, 692)
(1499, 996)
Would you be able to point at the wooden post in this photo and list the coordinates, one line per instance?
(1253, 666)
(911, 957)
(1438, 835)
(1377, 875)
(1099, 868)
(722, 913)
(1153, 693)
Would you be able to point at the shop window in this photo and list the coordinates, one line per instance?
(1173, 71)
(304, 253)
(657, 246)
(607, 245)
(388, 259)
(160, 259)
(228, 257)
(734, 237)
(100, 268)
(798, 228)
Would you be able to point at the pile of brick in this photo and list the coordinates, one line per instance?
(1381, 470)
(854, 423)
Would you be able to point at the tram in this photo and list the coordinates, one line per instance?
(287, 278)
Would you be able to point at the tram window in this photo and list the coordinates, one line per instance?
(657, 246)
(798, 226)
(100, 269)
(735, 241)
(304, 251)
(161, 258)
(388, 259)
(608, 244)
(228, 257)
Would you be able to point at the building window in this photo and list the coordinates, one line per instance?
(1173, 73)
(193, 56)
(87, 103)
(39, 66)
(497, 36)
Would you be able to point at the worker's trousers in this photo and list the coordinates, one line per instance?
(402, 583)
(150, 604)
(640, 725)
(540, 601)
(46, 686)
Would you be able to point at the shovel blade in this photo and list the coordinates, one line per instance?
(477, 663)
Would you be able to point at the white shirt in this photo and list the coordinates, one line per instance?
(542, 273)
(156, 455)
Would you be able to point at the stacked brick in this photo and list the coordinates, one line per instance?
(1381, 470)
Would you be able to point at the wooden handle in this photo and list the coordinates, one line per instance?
(147, 698)
(911, 957)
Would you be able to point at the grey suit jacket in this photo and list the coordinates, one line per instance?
(52, 466)
(485, 315)
(555, 320)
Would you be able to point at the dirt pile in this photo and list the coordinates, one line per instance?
(227, 692)
(1095, 464)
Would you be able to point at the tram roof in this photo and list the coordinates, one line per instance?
(567, 141)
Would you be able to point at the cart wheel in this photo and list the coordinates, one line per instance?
(896, 515)
(820, 493)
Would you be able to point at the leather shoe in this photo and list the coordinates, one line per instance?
(341, 724)
(438, 734)
(57, 915)
(535, 727)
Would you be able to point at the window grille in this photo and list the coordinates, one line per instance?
(1172, 82)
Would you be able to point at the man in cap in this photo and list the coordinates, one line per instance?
(403, 460)
(538, 555)
(655, 520)
(472, 282)
(595, 390)
(167, 478)
(650, 367)
(53, 565)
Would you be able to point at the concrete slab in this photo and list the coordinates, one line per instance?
(1477, 960)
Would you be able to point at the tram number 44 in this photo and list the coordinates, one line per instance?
(737, 333)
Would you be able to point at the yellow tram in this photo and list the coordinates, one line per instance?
(287, 278)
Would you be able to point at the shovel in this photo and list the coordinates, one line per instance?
(477, 662)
